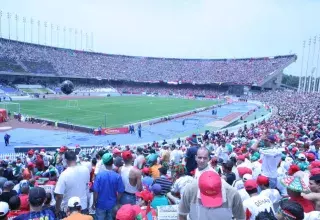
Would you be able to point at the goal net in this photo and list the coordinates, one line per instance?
(72, 104)
(11, 107)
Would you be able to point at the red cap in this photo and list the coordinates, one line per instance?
(315, 171)
(42, 150)
(127, 155)
(210, 189)
(145, 195)
(250, 185)
(315, 164)
(241, 157)
(310, 157)
(116, 151)
(293, 169)
(146, 170)
(244, 170)
(126, 212)
(262, 180)
(63, 149)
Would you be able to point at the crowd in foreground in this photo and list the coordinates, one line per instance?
(269, 170)
(50, 60)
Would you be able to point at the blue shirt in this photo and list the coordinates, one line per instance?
(107, 184)
(45, 214)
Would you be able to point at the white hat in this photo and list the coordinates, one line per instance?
(74, 202)
(4, 208)
(247, 176)
(301, 156)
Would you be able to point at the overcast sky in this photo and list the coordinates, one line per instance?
(174, 28)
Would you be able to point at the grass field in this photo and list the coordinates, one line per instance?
(112, 111)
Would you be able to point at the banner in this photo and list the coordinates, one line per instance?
(168, 212)
(110, 131)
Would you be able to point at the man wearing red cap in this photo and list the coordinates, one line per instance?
(257, 205)
(210, 197)
(272, 194)
(131, 178)
(202, 159)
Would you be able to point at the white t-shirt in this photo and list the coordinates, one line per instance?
(179, 184)
(312, 215)
(138, 162)
(238, 184)
(257, 204)
(270, 161)
(49, 189)
(176, 156)
(74, 182)
(99, 167)
(272, 194)
(87, 164)
(244, 195)
(199, 172)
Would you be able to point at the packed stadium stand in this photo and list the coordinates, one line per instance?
(39, 59)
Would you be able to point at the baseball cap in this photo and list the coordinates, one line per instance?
(156, 188)
(4, 208)
(301, 156)
(244, 170)
(146, 170)
(247, 177)
(262, 180)
(210, 186)
(314, 171)
(74, 202)
(315, 164)
(145, 195)
(63, 149)
(127, 155)
(37, 195)
(8, 184)
(106, 158)
(116, 151)
(126, 212)
(250, 185)
(241, 157)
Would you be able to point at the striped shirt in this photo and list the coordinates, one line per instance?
(164, 183)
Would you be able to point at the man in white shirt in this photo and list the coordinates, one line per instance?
(175, 155)
(72, 182)
(272, 194)
(257, 205)
(139, 160)
(202, 159)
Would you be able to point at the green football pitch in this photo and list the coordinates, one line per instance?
(108, 111)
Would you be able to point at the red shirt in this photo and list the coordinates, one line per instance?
(307, 205)
(24, 202)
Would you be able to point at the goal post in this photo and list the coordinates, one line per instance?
(72, 104)
(12, 107)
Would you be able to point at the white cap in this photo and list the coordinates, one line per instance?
(4, 208)
(301, 156)
(247, 177)
(74, 202)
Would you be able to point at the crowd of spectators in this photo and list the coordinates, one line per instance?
(87, 64)
(268, 170)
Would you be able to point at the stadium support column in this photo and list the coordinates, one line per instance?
(300, 78)
(31, 31)
(17, 20)
(58, 30)
(38, 31)
(9, 24)
(64, 37)
(86, 41)
(24, 29)
(313, 68)
(75, 38)
(305, 79)
(70, 37)
(81, 40)
(51, 34)
(45, 33)
(92, 41)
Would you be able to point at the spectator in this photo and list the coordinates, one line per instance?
(72, 182)
(106, 198)
(74, 210)
(4, 210)
(7, 192)
(158, 199)
(37, 197)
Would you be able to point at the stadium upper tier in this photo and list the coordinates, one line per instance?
(25, 57)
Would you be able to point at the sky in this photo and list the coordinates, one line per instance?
(172, 28)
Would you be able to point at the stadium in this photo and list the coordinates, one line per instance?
(152, 131)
